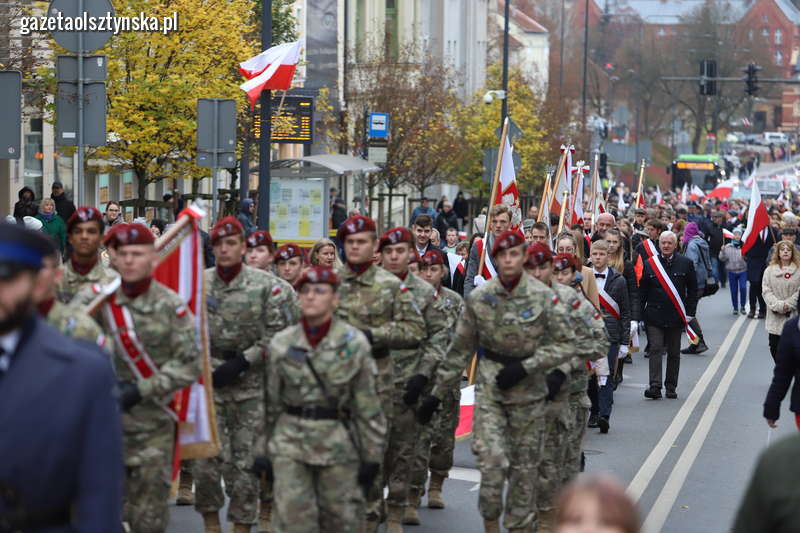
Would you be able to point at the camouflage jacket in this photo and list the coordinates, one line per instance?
(529, 323)
(451, 305)
(72, 282)
(243, 316)
(424, 358)
(73, 323)
(344, 365)
(165, 328)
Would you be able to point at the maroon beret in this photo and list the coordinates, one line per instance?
(395, 236)
(259, 238)
(433, 257)
(355, 224)
(125, 234)
(564, 261)
(538, 253)
(318, 274)
(287, 251)
(508, 239)
(85, 214)
(225, 228)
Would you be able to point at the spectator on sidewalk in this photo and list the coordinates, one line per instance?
(731, 257)
(446, 219)
(781, 287)
(26, 206)
(423, 209)
(64, 206)
(113, 215)
(52, 224)
(461, 207)
(247, 209)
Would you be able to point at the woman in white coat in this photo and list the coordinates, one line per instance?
(781, 285)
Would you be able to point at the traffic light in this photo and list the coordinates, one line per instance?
(751, 81)
(708, 69)
(603, 169)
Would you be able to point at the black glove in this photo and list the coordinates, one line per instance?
(510, 375)
(129, 395)
(262, 465)
(227, 372)
(554, 379)
(367, 472)
(368, 333)
(429, 406)
(414, 388)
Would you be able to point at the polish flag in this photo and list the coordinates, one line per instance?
(599, 202)
(696, 193)
(564, 183)
(577, 200)
(757, 219)
(659, 196)
(723, 190)
(271, 69)
(728, 234)
(685, 193)
(466, 412)
(507, 191)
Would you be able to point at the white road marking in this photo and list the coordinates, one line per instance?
(669, 493)
(651, 465)
(465, 474)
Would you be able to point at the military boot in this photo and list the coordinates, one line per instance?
(265, 518)
(241, 528)
(185, 494)
(410, 514)
(394, 519)
(491, 526)
(211, 523)
(435, 499)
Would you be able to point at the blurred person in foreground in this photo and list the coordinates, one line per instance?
(597, 505)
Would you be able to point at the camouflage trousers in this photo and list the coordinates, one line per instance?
(507, 441)
(386, 393)
(316, 498)
(435, 445)
(578, 416)
(148, 462)
(240, 425)
(398, 461)
(558, 425)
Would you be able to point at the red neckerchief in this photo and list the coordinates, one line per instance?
(315, 334)
(82, 269)
(403, 276)
(134, 289)
(511, 285)
(227, 274)
(360, 268)
(45, 306)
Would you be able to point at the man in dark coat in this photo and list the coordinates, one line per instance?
(664, 323)
(446, 218)
(756, 259)
(64, 206)
(61, 469)
(715, 242)
(26, 206)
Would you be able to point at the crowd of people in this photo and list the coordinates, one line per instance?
(337, 370)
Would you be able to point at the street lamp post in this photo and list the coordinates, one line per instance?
(266, 126)
(504, 104)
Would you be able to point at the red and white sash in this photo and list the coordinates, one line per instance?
(608, 303)
(488, 271)
(672, 292)
(649, 248)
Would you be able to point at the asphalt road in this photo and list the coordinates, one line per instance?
(685, 461)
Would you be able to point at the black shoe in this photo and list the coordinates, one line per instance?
(701, 347)
(592, 421)
(751, 314)
(604, 425)
(691, 349)
(653, 393)
(583, 462)
(628, 360)
(762, 314)
(672, 395)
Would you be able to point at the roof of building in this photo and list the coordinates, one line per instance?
(521, 19)
(669, 12)
(789, 9)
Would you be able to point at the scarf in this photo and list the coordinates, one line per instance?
(134, 289)
(360, 268)
(315, 334)
(83, 269)
(228, 274)
(47, 216)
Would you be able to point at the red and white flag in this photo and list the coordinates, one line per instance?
(696, 193)
(599, 201)
(757, 219)
(577, 201)
(563, 180)
(685, 193)
(507, 192)
(659, 196)
(271, 69)
(466, 413)
(723, 190)
(182, 271)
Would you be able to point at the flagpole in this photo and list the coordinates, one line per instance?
(594, 186)
(564, 200)
(545, 194)
(493, 194)
(557, 176)
(639, 189)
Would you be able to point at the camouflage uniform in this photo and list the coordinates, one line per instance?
(588, 342)
(73, 323)
(314, 459)
(529, 325)
(437, 439)
(405, 431)
(165, 328)
(379, 302)
(242, 316)
(72, 283)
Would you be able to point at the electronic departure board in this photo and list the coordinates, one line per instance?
(292, 120)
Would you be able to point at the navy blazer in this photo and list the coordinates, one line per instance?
(61, 431)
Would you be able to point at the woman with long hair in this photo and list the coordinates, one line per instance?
(567, 244)
(323, 253)
(781, 286)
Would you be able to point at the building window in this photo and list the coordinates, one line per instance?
(778, 57)
(796, 108)
(765, 33)
(778, 36)
(749, 35)
(392, 28)
(764, 18)
(661, 32)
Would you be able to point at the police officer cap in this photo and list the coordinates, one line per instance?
(131, 234)
(21, 249)
(355, 224)
(395, 236)
(225, 228)
(85, 213)
(432, 257)
(538, 253)
(508, 239)
(318, 274)
(564, 261)
(287, 251)
(259, 238)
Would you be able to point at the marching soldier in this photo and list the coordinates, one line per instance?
(259, 250)
(154, 340)
(324, 416)
(524, 331)
(380, 305)
(289, 262)
(413, 370)
(84, 267)
(437, 441)
(244, 311)
(589, 342)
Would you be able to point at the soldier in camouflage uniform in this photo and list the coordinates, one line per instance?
(437, 441)
(245, 309)
(260, 250)
(524, 331)
(145, 317)
(380, 305)
(326, 429)
(289, 262)
(84, 268)
(413, 370)
(589, 342)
